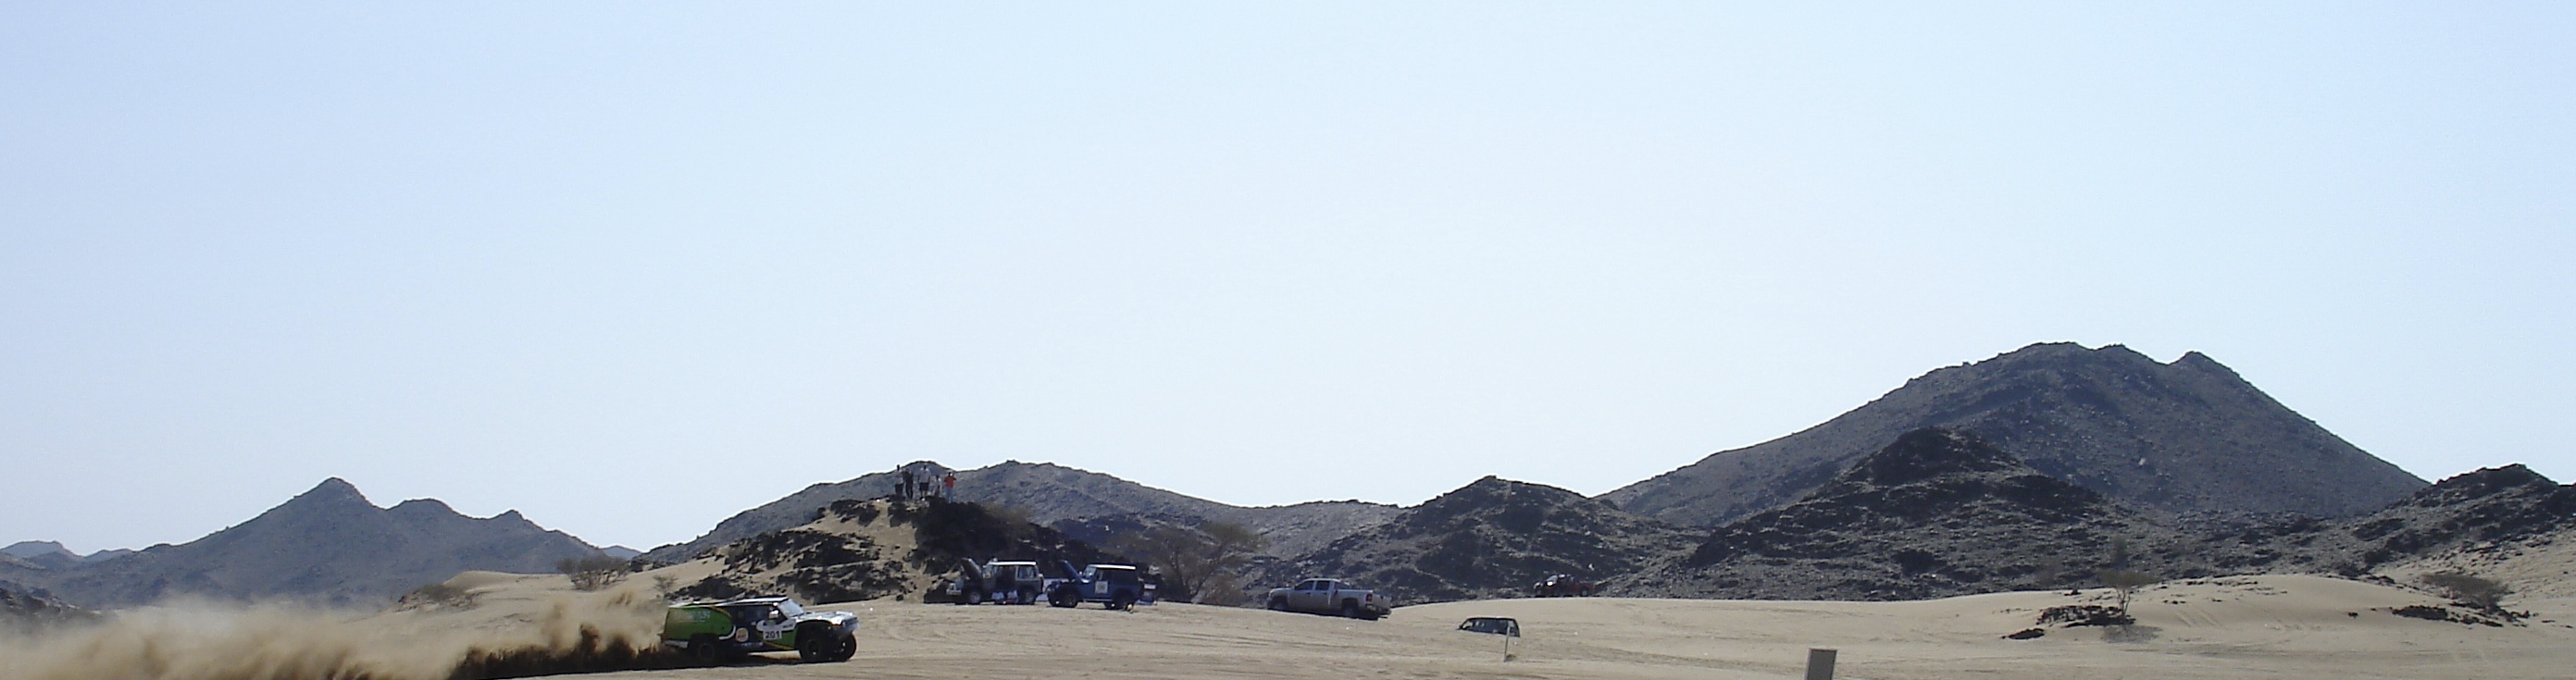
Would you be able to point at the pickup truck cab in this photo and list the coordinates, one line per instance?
(1330, 596)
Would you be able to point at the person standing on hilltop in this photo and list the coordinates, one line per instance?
(948, 486)
(904, 491)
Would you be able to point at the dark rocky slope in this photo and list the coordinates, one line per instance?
(23, 609)
(1053, 495)
(2472, 511)
(2185, 436)
(865, 549)
(1491, 538)
(1938, 513)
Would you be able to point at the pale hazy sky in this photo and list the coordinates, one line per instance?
(630, 268)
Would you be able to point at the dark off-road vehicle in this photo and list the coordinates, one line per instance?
(1002, 581)
(1116, 586)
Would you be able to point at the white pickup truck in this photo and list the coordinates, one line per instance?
(1328, 596)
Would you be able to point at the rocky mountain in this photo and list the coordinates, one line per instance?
(1937, 513)
(1052, 495)
(2170, 437)
(328, 544)
(42, 554)
(865, 549)
(1491, 538)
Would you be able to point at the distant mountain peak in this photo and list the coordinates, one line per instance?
(26, 549)
(41, 555)
(423, 506)
(335, 491)
(2185, 436)
(328, 543)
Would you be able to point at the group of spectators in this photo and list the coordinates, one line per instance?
(912, 486)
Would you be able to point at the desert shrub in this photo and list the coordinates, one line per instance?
(2084, 615)
(2422, 611)
(593, 572)
(1197, 565)
(2469, 590)
(438, 594)
(2127, 583)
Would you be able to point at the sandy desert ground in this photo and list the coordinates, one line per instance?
(2267, 626)
(2243, 627)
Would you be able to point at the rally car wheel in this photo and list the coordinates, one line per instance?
(703, 646)
(813, 645)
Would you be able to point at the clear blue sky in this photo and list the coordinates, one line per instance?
(633, 267)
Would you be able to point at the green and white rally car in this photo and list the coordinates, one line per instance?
(735, 628)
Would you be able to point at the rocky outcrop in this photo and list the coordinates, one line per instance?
(1491, 538)
(2180, 437)
(24, 608)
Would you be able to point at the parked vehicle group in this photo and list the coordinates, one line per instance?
(1113, 586)
(726, 630)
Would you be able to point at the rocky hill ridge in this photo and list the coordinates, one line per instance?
(865, 549)
(2185, 436)
(1936, 513)
(1491, 538)
(1052, 495)
(327, 544)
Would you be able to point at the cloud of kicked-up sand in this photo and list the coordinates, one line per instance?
(561, 632)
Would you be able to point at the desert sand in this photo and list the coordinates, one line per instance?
(2263, 626)
(2257, 626)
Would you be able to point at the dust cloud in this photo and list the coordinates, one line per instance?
(556, 633)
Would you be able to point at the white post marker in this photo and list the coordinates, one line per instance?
(1820, 664)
